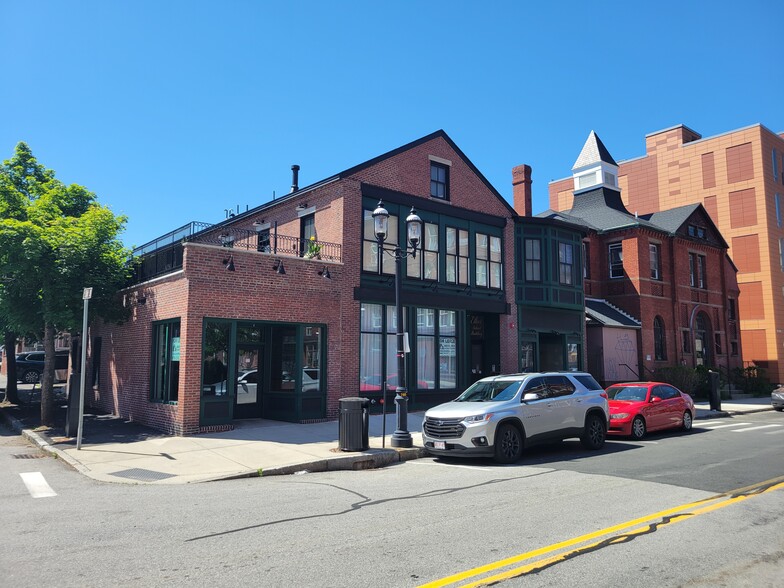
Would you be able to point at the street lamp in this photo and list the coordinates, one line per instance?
(401, 437)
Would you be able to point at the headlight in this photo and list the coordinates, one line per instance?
(478, 418)
(619, 416)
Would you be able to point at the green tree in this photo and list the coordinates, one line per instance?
(54, 241)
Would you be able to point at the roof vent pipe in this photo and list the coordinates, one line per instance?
(294, 178)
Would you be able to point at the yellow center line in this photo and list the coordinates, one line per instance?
(704, 506)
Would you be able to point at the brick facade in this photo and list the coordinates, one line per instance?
(203, 288)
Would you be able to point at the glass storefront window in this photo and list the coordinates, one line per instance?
(215, 358)
(311, 359)
(283, 358)
(166, 364)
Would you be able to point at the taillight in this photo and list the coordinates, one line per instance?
(603, 394)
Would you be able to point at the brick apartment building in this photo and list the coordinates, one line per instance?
(660, 288)
(282, 310)
(738, 177)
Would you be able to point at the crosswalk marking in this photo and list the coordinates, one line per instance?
(754, 428)
(37, 485)
(712, 427)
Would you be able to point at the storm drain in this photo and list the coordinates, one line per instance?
(29, 456)
(143, 475)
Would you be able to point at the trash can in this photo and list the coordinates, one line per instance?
(353, 424)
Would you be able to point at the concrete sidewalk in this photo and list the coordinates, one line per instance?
(254, 448)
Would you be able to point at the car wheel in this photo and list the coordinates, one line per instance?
(508, 444)
(31, 377)
(687, 421)
(595, 432)
(779, 408)
(638, 428)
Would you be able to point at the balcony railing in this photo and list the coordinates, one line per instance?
(164, 255)
(273, 243)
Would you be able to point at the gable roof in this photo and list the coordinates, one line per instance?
(593, 152)
(370, 162)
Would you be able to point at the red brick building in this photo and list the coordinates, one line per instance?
(280, 311)
(738, 176)
(660, 288)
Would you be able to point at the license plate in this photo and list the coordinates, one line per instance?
(439, 444)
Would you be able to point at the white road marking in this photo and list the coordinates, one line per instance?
(446, 465)
(36, 485)
(779, 432)
(724, 426)
(701, 423)
(754, 428)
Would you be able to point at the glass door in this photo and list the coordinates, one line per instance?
(250, 381)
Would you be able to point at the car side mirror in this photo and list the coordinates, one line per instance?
(528, 396)
(655, 399)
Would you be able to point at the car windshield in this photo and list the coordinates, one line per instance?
(627, 392)
(493, 391)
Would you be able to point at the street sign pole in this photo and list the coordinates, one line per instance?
(86, 295)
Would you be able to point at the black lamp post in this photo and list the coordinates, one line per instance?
(401, 437)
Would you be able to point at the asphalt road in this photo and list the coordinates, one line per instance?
(561, 517)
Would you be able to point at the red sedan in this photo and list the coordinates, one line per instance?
(639, 407)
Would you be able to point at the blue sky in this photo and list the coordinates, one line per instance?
(172, 111)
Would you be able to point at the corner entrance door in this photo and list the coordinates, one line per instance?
(250, 381)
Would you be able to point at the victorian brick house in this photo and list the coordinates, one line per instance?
(280, 311)
(738, 176)
(660, 288)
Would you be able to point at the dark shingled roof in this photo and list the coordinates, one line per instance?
(608, 315)
(602, 210)
(671, 220)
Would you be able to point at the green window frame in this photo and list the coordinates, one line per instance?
(165, 365)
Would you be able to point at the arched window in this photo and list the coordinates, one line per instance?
(659, 341)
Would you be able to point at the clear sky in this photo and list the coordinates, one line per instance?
(172, 111)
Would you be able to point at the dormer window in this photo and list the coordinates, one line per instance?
(610, 179)
(439, 180)
(697, 232)
(586, 180)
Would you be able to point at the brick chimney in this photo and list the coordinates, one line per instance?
(521, 189)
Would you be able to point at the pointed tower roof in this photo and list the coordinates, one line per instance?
(593, 152)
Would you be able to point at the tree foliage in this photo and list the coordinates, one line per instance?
(55, 240)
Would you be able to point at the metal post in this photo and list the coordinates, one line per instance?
(86, 295)
(401, 437)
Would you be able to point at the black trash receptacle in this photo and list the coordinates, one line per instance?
(353, 424)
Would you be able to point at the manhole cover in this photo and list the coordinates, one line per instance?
(28, 456)
(143, 475)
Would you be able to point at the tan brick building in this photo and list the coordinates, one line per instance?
(739, 178)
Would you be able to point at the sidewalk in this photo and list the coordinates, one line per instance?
(114, 450)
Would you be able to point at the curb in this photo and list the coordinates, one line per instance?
(42, 442)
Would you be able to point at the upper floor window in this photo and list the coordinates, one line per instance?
(565, 263)
(263, 243)
(373, 259)
(655, 261)
(586, 260)
(425, 264)
(781, 253)
(615, 253)
(533, 260)
(775, 166)
(731, 314)
(307, 231)
(659, 341)
(456, 256)
(698, 232)
(697, 271)
(777, 200)
(439, 180)
(488, 261)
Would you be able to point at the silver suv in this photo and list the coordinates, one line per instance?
(500, 415)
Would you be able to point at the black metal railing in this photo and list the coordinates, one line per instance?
(273, 243)
(164, 255)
